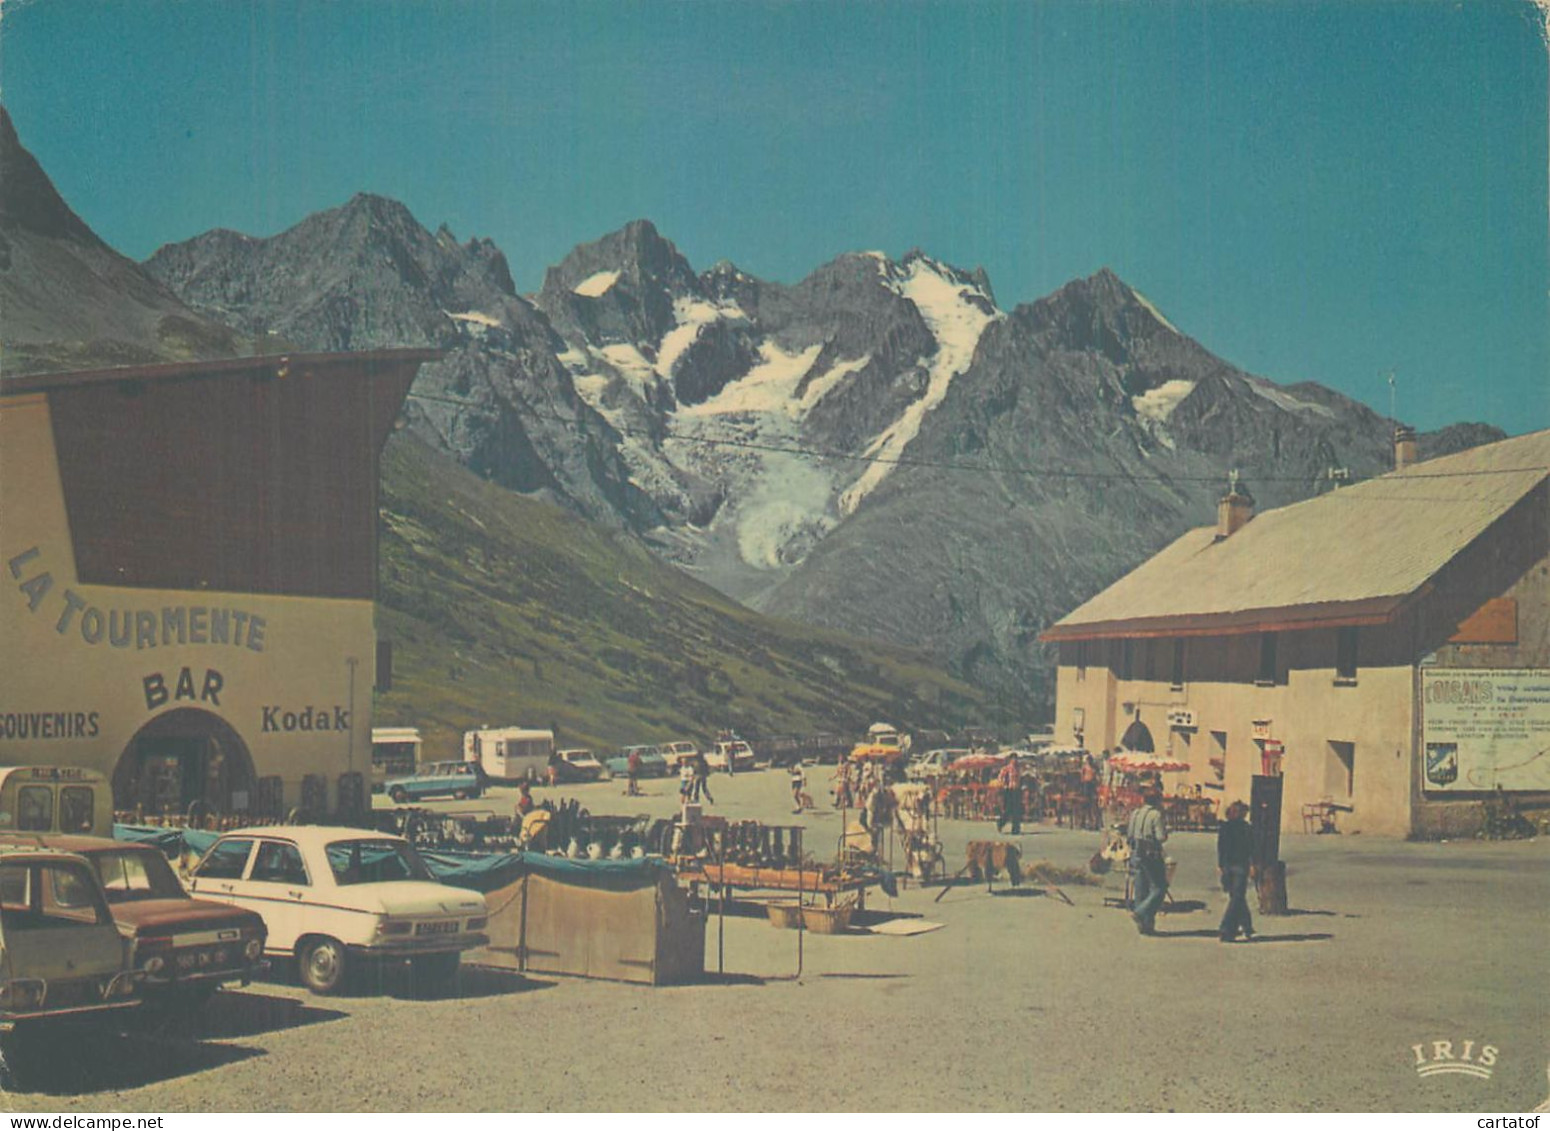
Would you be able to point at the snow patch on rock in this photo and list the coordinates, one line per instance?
(944, 301)
(1158, 404)
(595, 286)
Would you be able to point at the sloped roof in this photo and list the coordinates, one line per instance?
(1349, 557)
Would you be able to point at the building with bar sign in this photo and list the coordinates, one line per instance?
(1388, 644)
(189, 561)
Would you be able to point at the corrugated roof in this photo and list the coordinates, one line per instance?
(1347, 557)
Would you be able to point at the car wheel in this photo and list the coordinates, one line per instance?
(460, 795)
(434, 972)
(322, 965)
(398, 795)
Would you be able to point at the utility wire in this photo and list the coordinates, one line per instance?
(948, 465)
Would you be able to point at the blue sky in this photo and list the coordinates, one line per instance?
(1315, 191)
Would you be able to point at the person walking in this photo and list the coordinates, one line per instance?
(1234, 862)
(1147, 832)
(702, 779)
(799, 800)
(1010, 782)
(632, 769)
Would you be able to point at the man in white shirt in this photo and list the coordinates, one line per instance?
(1147, 832)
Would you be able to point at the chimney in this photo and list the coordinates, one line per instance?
(1234, 509)
(1404, 447)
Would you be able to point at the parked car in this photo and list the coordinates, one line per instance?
(652, 763)
(335, 899)
(933, 762)
(437, 779)
(677, 753)
(577, 766)
(733, 757)
(60, 952)
(183, 948)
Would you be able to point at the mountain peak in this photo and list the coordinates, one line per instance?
(28, 199)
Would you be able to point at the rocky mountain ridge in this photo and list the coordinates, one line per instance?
(879, 448)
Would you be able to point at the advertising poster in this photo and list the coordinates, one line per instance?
(1486, 730)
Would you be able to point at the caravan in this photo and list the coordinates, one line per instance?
(510, 754)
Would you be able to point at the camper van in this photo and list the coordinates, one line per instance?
(395, 752)
(55, 799)
(510, 754)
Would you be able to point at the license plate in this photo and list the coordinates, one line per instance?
(445, 927)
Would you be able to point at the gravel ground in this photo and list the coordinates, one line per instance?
(1019, 1002)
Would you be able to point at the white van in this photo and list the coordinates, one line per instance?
(510, 754)
(55, 799)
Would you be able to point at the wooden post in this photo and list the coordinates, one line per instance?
(1269, 871)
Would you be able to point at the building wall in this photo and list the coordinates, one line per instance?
(83, 668)
(1305, 708)
(1513, 566)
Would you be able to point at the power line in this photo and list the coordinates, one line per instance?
(948, 465)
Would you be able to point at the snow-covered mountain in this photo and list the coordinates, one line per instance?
(878, 447)
(757, 417)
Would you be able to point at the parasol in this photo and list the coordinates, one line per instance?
(1133, 764)
(977, 762)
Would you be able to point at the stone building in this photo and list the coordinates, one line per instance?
(1387, 643)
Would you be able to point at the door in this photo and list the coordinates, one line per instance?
(221, 875)
(279, 884)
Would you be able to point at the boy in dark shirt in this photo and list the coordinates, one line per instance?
(1234, 858)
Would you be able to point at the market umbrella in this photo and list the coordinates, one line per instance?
(977, 762)
(1133, 764)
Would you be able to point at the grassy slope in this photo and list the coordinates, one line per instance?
(505, 611)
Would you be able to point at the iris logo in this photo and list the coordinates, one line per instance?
(1438, 1057)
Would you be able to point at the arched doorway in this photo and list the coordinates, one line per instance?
(1138, 737)
(181, 757)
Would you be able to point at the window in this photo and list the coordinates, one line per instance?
(1267, 658)
(1346, 644)
(75, 809)
(136, 874)
(34, 896)
(1081, 659)
(35, 809)
(1127, 658)
(226, 860)
(1340, 770)
(278, 863)
(1218, 758)
(374, 862)
(1149, 660)
(1176, 677)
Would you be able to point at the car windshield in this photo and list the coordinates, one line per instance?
(136, 874)
(374, 862)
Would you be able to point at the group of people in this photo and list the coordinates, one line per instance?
(1148, 830)
(693, 779)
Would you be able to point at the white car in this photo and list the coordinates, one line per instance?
(336, 898)
(677, 753)
(732, 757)
(932, 763)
